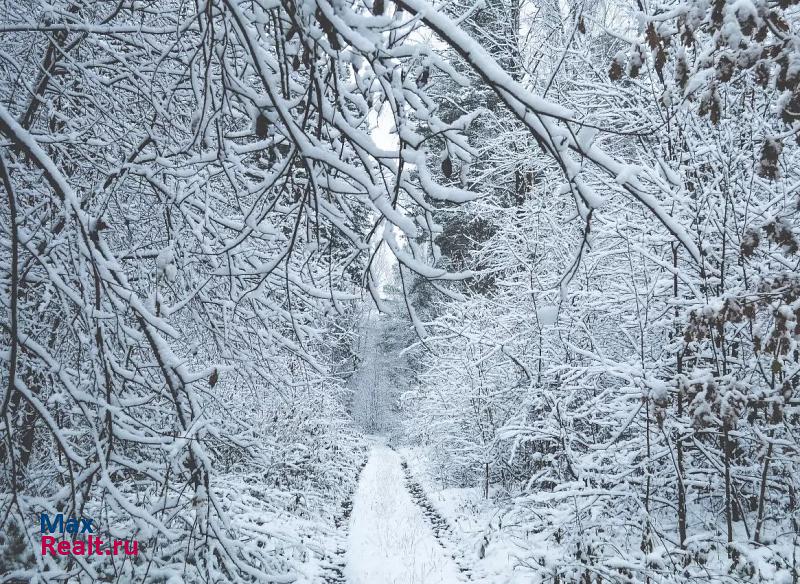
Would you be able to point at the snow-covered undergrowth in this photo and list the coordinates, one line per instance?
(494, 553)
(618, 451)
(268, 511)
(630, 411)
(525, 539)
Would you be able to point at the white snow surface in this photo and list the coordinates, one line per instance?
(390, 541)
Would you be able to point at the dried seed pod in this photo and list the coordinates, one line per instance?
(615, 71)
(790, 111)
(717, 13)
(653, 40)
(447, 167)
(762, 73)
(635, 61)
(784, 237)
(778, 21)
(770, 152)
(261, 125)
(661, 60)
(784, 79)
(422, 79)
(681, 72)
(725, 66)
(714, 110)
(747, 21)
(687, 37)
(750, 241)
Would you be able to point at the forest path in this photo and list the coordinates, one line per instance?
(390, 542)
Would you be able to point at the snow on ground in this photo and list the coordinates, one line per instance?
(390, 541)
(484, 542)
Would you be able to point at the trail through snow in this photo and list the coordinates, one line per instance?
(389, 541)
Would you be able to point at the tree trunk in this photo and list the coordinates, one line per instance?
(726, 449)
(762, 495)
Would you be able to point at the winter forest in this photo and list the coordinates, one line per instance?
(400, 291)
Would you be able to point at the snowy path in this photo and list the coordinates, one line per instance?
(390, 542)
